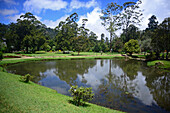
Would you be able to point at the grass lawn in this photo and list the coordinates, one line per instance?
(75, 54)
(17, 96)
(10, 54)
(165, 62)
(49, 56)
(139, 56)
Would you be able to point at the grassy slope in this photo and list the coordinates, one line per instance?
(166, 63)
(17, 96)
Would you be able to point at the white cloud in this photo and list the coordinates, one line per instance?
(53, 24)
(8, 11)
(94, 22)
(15, 17)
(38, 5)
(76, 4)
(159, 8)
(12, 2)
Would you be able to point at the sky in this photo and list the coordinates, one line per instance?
(51, 12)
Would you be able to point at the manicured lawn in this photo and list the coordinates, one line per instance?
(75, 54)
(139, 56)
(10, 54)
(165, 62)
(17, 96)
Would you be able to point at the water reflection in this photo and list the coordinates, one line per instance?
(126, 85)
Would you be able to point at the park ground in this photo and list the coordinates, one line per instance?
(17, 96)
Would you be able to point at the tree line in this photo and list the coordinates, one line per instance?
(29, 35)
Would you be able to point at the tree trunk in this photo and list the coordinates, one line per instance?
(167, 54)
(157, 55)
(130, 54)
(110, 42)
(27, 49)
(163, 56)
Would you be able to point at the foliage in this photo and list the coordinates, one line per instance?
(145, 45)
(161, 38)
(132, 32)
(1, 55)
(79, 43)
(40, 52)
(97, 48)
(81, 94)
(153, 23)
(110, 19)
(130, 15)
(151, 56)
(26, 78)
(131, 46)
(117, 45)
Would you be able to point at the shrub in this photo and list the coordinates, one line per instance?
(81, 94)
(40, 52)
(26, 78)
(90, 50)
(19, 52)
(131, 46)
(152, 56)
(59, 52)
(3, 68)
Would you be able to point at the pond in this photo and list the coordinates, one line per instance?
(126, 85)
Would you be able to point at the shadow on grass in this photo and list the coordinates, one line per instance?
(81, 104)
(24, 81)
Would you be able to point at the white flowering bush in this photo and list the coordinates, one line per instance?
(81, 94)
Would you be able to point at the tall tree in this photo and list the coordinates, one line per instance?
(110, 19)
(153, 23)
(161, 38)
(80, 43)
(26, 24)
(132, 32)
(131, 14)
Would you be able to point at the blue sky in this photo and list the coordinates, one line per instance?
(51, 12)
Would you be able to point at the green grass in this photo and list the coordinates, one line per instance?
(140, 56)
(17, 96)
(16, 60)
(75, 54)
(10, 54)
(165, 62)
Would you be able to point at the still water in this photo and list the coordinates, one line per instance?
(126, 85)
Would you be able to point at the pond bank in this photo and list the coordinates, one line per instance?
(23, 59)
(17, 96)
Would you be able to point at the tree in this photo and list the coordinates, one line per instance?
(131, 46)
(161, 38)
(80, 43)
(67, 30)
(145, 45)
(132, 32)
(130, 15)
(110, 19)
(27, 25)
(117, 45)
(153, 23)
(97, 47)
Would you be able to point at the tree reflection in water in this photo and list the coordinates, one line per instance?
(127, 85)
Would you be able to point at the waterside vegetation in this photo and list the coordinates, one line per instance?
(17, 96)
